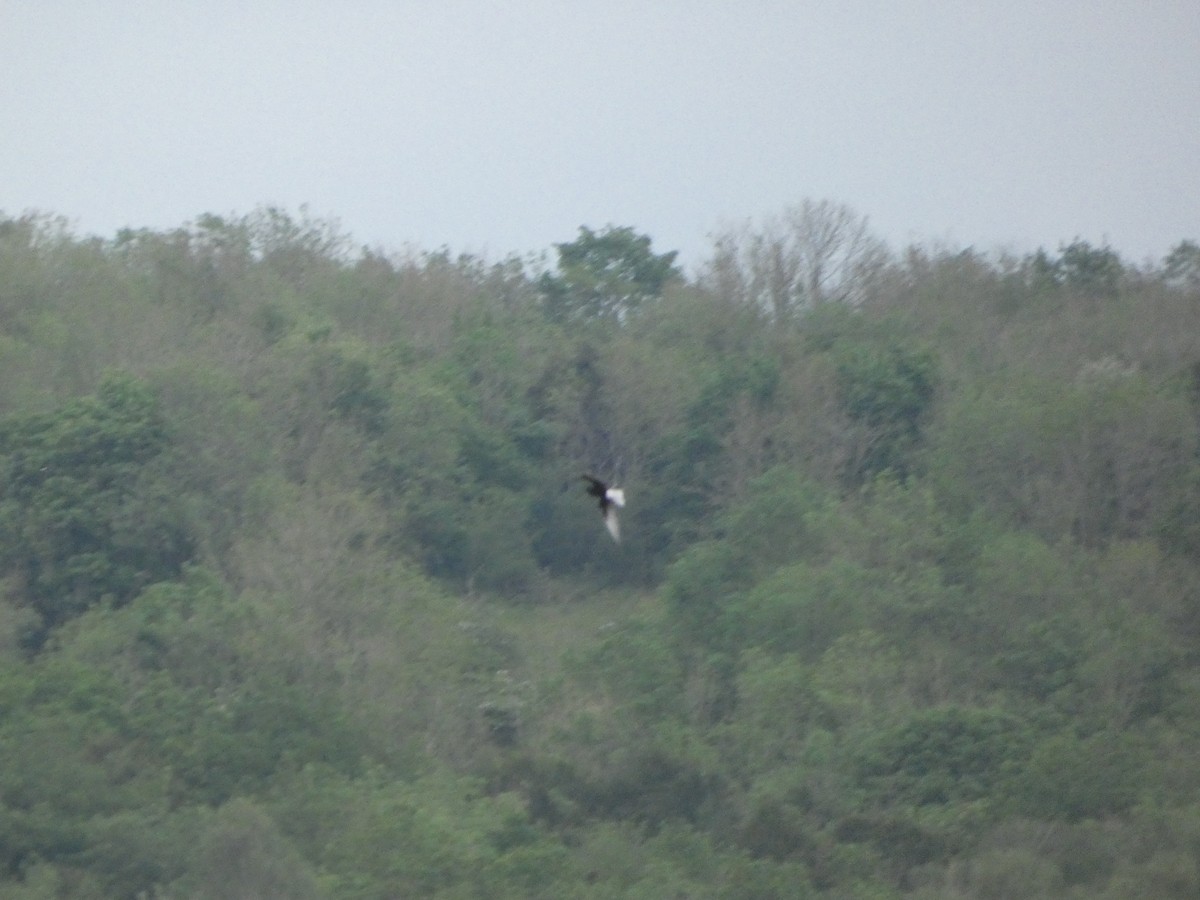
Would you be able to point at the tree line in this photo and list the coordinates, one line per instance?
(302, 596)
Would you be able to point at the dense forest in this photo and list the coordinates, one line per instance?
(301, 594)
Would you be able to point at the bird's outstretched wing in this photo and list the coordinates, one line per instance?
(611, 522)
(610, 498)
(596, 487)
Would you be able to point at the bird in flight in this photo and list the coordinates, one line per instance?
(610, 499)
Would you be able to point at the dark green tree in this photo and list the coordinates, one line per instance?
(1088, 269)
(1080, 267)
(85, 515)
(1182, 265)
(940, 755)
(887, 390)
(605, 275)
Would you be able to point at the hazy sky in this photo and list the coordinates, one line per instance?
(500, 127)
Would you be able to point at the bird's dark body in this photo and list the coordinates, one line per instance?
(597, 489)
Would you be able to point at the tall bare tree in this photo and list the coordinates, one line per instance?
(815, 252)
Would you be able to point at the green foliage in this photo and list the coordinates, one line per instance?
(1182, 265)
(605, 275)
(691, 465)
(1100, 458)
(783, 518)
(72, 773)
(857, 679)
(1088, 269)
(635, 669)
(84, 513)
(775, 708)
(498, 552)
(321, 608)
(1071, 777)
(1178, 528)
(240, 852)
(888, 391)
(1079, 267)
(944, 755)
(223, 729)
(378, 837)
(802, 609)
(699, 585)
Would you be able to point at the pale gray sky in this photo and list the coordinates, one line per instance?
(499, 127)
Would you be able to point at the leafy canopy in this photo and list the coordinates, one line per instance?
(606, 275)
(81, 516)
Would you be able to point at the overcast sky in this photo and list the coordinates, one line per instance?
(500, 127)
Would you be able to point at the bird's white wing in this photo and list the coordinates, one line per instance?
(611, 523)
(616, 495)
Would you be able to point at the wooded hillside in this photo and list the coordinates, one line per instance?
(302, 595)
